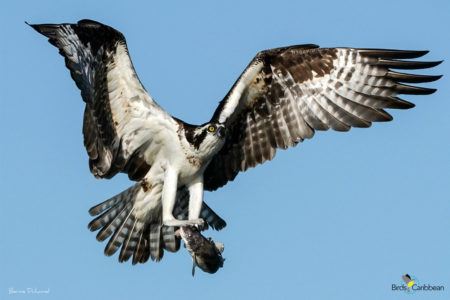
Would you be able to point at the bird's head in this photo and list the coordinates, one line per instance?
(208, 138)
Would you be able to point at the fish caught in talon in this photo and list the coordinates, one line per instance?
(205, 253)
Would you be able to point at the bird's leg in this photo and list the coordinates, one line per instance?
(196, 200)
(169, 194)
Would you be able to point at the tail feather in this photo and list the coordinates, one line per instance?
(130, 243)
(139, 253)
(211, 218)
(107, 217)
(142, 253)
(182, 204)
(169, 240)
(127, 194)
(111, 208)
(115, 221)
(133, 218)
(119, 235)
(156, 252)
(146, 254)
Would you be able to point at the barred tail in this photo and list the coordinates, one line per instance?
(134, 220)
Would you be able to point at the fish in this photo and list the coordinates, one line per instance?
(206, 254)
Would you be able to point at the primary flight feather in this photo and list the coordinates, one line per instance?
(282, 97)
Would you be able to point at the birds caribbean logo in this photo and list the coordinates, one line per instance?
(409, 281)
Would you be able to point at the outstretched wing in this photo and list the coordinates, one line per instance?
(285, 94)
(120, 119)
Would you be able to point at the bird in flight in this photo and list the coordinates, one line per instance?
(283, 96)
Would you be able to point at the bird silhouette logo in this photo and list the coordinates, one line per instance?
(409, 281)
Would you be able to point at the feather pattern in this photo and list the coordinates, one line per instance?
(132, 221)
(286, 94)
(281, 99)
(120, 116)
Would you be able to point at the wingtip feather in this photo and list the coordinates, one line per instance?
(411, 78)
(34, 26)
(407, 65)
(390, 53)
(413, 90)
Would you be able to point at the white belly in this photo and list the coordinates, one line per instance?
(171, 154)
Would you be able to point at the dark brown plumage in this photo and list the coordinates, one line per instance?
(89, 50)
(300, 89)
(281, 98)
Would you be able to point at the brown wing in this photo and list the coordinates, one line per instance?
(285, 94)
(120, 118)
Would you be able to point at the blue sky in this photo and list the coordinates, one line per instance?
(341, 216)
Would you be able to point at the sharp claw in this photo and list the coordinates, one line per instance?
(200, 224)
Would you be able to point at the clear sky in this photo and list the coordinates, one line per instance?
(341, 216)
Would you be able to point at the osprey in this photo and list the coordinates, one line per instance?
(282, 97)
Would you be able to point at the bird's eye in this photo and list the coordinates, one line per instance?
(211, 128)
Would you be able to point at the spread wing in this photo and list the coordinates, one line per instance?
(285, 94)
(121, 119)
